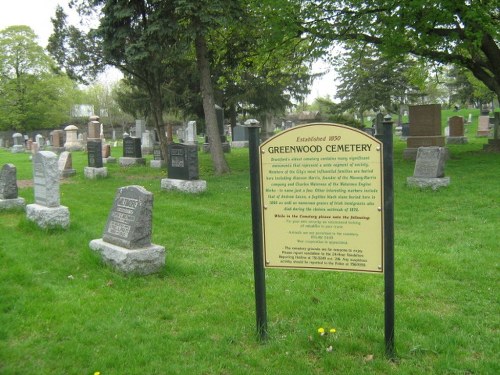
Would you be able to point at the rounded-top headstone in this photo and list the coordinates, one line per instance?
(70, 127)
(17, 135)
(8, 182)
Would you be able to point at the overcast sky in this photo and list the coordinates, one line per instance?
(37, 15)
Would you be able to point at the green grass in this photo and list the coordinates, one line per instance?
(64, 312)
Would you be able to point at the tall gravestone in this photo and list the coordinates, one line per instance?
(8, 188)
(190, 133)
(65, 165)
(147, 142)
(126, 241)
(47, 211)
(183, 170)
(132, 153)
(425, 129)
(429, 169)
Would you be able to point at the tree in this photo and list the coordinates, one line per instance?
(459, 32)
(32, 95)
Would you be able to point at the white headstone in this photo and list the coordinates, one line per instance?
(190, 133)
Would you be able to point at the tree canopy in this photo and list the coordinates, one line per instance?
(32, 95)
(459, 32)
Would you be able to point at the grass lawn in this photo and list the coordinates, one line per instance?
(63, 312)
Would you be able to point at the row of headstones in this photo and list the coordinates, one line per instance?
(126, 241)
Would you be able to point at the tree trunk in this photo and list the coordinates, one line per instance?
(207, 94)
(157, 110)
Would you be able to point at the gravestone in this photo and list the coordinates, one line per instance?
(8, 189)
(240, 136)
(147, 143)
(65, 165)
(456, 131)
(140, 127)
(126, 241)
(429, 168)
(190, 133)
(47, 211)
(72, 143)
(95, 168)
(93, 128)
(182, 169)
(57, 140)
(18, 146)
(425, 129)
(2, 142)
(158, 159)
(226, 148)
(483, 127)
(106, 154)
(132, 153)
(40, 140)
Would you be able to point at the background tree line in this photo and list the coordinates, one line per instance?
(182, 57)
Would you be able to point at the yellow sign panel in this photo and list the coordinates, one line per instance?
(322, 199)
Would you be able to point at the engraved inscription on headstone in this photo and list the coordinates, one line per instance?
(130, 219)
(157, 154)
(430, 162)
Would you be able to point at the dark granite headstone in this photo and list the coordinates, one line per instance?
(240, 133)
(182, 162)
(430, 162)
(405, 130)
(157, 154)
(132, 147)
(129, 222)
(8, 182)
(94, 149)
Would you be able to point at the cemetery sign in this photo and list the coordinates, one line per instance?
(322, 199)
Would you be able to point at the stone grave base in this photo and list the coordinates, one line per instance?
(48, 217)
(411, 153)
(425, 182)
(187, 186)
(14, 203)
(68, 173)
(456, 140)
(142, 261)
(93, 173)
(125, 161)
(16, 149)
(239, 144)
(109, 160)
(158, 164)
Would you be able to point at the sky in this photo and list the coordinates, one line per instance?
(37, 15)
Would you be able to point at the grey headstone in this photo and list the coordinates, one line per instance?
(129, 222)
(430, 162)
(8, 182)
(46, 179)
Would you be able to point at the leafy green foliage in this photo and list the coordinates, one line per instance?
(463, 33)
(32, 95)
